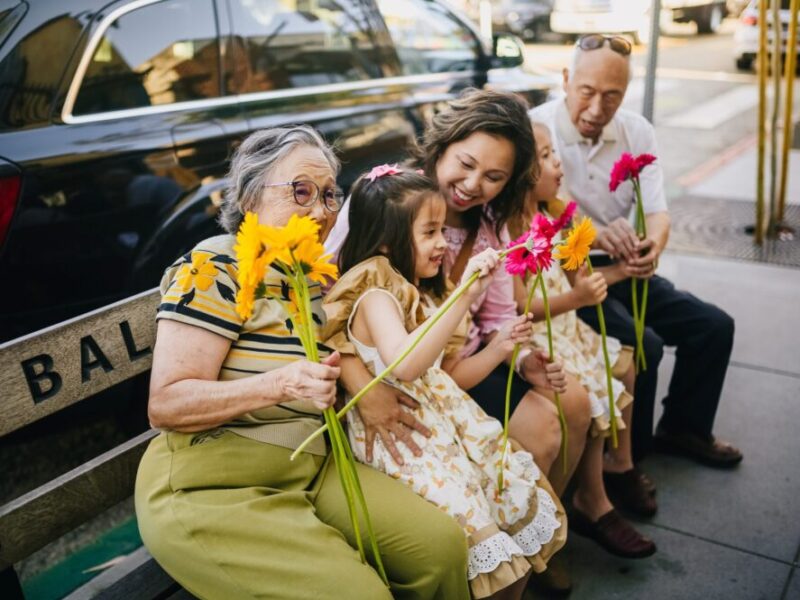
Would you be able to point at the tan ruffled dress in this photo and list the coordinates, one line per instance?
(507, 532)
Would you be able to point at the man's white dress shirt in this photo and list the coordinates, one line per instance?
(587, 165)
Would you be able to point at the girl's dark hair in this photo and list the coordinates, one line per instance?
(382, 214)
(496, 113)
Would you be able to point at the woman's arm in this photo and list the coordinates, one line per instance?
(186, 396)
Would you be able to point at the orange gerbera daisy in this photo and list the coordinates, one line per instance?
(577, 245)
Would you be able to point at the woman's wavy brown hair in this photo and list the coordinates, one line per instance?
(496, 113)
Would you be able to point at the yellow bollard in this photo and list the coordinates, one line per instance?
(777, 34)
(762, 115)
(790, 68)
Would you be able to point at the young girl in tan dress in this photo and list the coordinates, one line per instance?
(579, 346)
(394, 250)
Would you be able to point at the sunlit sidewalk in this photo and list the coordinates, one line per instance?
(725, 534)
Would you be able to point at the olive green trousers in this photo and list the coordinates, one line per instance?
(229, 517)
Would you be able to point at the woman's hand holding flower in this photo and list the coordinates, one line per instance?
(306, 380)
(589, 289)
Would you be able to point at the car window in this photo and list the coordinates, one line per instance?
(161, 53)
(428, 38)
(280, 44)
(10, 15)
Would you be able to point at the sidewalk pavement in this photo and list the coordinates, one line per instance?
(724, 534)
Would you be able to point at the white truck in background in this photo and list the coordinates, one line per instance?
(577, 17)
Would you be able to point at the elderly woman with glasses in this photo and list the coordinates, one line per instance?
(219, 504)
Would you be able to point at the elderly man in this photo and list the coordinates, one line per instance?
(590, 131)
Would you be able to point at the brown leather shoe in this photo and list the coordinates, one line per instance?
(629, 491)
(708, 451)
(613, 533)
(554, 582)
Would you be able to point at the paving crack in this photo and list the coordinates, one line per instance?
(793, 563)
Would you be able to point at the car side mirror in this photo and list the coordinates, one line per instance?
(507, 51)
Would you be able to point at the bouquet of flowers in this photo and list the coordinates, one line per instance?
(629, 167)
(295, 250)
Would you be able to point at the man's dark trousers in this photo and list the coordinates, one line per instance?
(703, 337)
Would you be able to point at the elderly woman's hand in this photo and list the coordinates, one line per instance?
(384, 418)
(311, 381)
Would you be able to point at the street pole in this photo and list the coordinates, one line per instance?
(652, 61)
(762, 115)
(789, 74)
(485, 19)
(776, 109)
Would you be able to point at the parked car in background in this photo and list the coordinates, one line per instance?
(529, 19)
(745, 39)
(576, 17)
(117, 120)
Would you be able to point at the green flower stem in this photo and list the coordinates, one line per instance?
(612, 409)
(340, 447)
(363, 503)
(643, 310)
(639, 305)
(457, 293)
(561, 419)
(514, 355)
(343, 469)
(636, 323)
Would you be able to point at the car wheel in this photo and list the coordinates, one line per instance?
(710, 19)
(744, 63)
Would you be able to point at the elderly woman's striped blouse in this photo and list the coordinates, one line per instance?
(200, 290)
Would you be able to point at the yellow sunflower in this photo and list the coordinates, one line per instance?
(316, 265)
(284, 240)
(253, 258)
(200, 273)
(576, 247)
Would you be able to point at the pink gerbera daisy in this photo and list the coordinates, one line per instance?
(534, 256)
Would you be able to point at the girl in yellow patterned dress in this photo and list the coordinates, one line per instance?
(394, 249)
(579, 346)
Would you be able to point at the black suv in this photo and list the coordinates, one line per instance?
(117, 120)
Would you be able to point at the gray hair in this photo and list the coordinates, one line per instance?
(253, 162)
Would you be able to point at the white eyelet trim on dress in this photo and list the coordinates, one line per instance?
(486, 556)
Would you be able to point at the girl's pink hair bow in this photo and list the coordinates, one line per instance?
(382, 171)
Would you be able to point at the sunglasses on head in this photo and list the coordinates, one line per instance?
(594, 41)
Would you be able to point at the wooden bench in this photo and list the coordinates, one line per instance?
(57, 367)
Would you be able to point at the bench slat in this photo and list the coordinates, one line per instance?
(42, 515)
(48, 370)
(138, 577)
